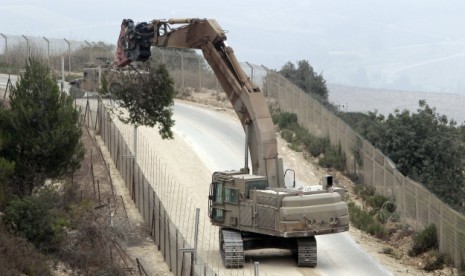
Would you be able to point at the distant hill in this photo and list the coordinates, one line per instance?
(351, 98)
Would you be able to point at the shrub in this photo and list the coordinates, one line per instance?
(377, 202)
(288, 135)
(285, 119)
(316, 146)
(31, 217)
(437, 262)
(18, 257)
(364, 191)
(333, 158)
(365, 221)
(425, 241)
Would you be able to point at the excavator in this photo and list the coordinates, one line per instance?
(253, 210)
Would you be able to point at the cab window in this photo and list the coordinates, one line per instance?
(255, 185)
(218, 193)
(231, 195)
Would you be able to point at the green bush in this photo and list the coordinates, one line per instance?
(425, 241)
(32, 218)
(437, 262)
(285, 119)
(365, 221)
(333, 158)
(377, 202)
(364, 191)
(288, 135)
(300, 133)
(316, 146)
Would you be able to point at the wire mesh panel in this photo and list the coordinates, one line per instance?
(378, 171)
(423, 206)
(410, 202)
(368, 163)
(448, 231)
(389, 179)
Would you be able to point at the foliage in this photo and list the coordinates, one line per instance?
(462, 132)
(364, 191)
(32, 218)
(425, 146)
(288, 135)
(316, 146)
(6, 166)
(333, 157)
(378, 202)
(146, 96)
(19, 257)
(285, 119)
(437, 261)
(301, 140)
(364, 221)
(41, 130)
(305, 78)
(425, 241)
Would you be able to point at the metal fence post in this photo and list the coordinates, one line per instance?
(256, 268)
(48, 50)
(251, 71)
(69, 54)
(182, 68)
(62, 73)
(28, 50)
(196, 233)
(90, 52)
(6, 49)
(200, 72)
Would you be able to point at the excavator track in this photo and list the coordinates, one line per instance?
(232, 248)
(306, 252)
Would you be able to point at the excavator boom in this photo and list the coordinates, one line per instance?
(246, 98)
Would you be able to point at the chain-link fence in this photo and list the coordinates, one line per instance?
(69, 55)
(179, 227)
(417, 206)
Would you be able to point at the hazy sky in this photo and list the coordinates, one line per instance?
(401, 44)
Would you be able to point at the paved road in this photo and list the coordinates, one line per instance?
(218, 140)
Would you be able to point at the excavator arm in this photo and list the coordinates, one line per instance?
(246, 98)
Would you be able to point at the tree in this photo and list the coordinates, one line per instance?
(6, 170)
(305, 78)
(425, 146)
(145, 98)
(41, 130)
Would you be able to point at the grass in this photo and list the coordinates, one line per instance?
(365, 221)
